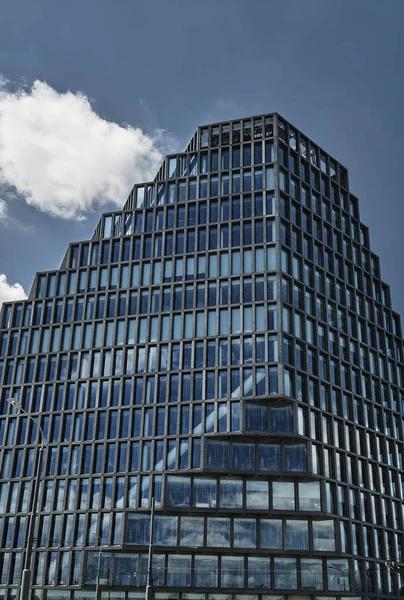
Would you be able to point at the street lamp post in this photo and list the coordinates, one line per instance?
(149, 570)
(149, 582)
(26, 574)
(97, 583)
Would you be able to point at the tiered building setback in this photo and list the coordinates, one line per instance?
(224, 345)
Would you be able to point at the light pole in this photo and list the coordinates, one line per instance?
(97, 583)
(26, 575)
(149, 570)
(149, 582)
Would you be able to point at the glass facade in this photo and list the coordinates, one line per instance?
(225, 345)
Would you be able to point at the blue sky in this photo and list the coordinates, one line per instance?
(121, 81)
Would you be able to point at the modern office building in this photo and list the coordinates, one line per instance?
(225, 345)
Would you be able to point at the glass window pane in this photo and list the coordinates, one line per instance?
(245, 535)
(204, 493)
(177, 491)
(323, 536)
(259, 573)
(191, 531)
(271, 534)
(165, 530)
(338, 575)
(206, 571)
(283, 495)
(179, 570)
(218, 532)
(312, 574)
(297, 535)
(231, 493)
(309, 495)
(285, 573)
(257, 494)
(232, 572)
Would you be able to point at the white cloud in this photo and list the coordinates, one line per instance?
(65, 159)
(9, 292)
(3, 210)
(3, 82)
